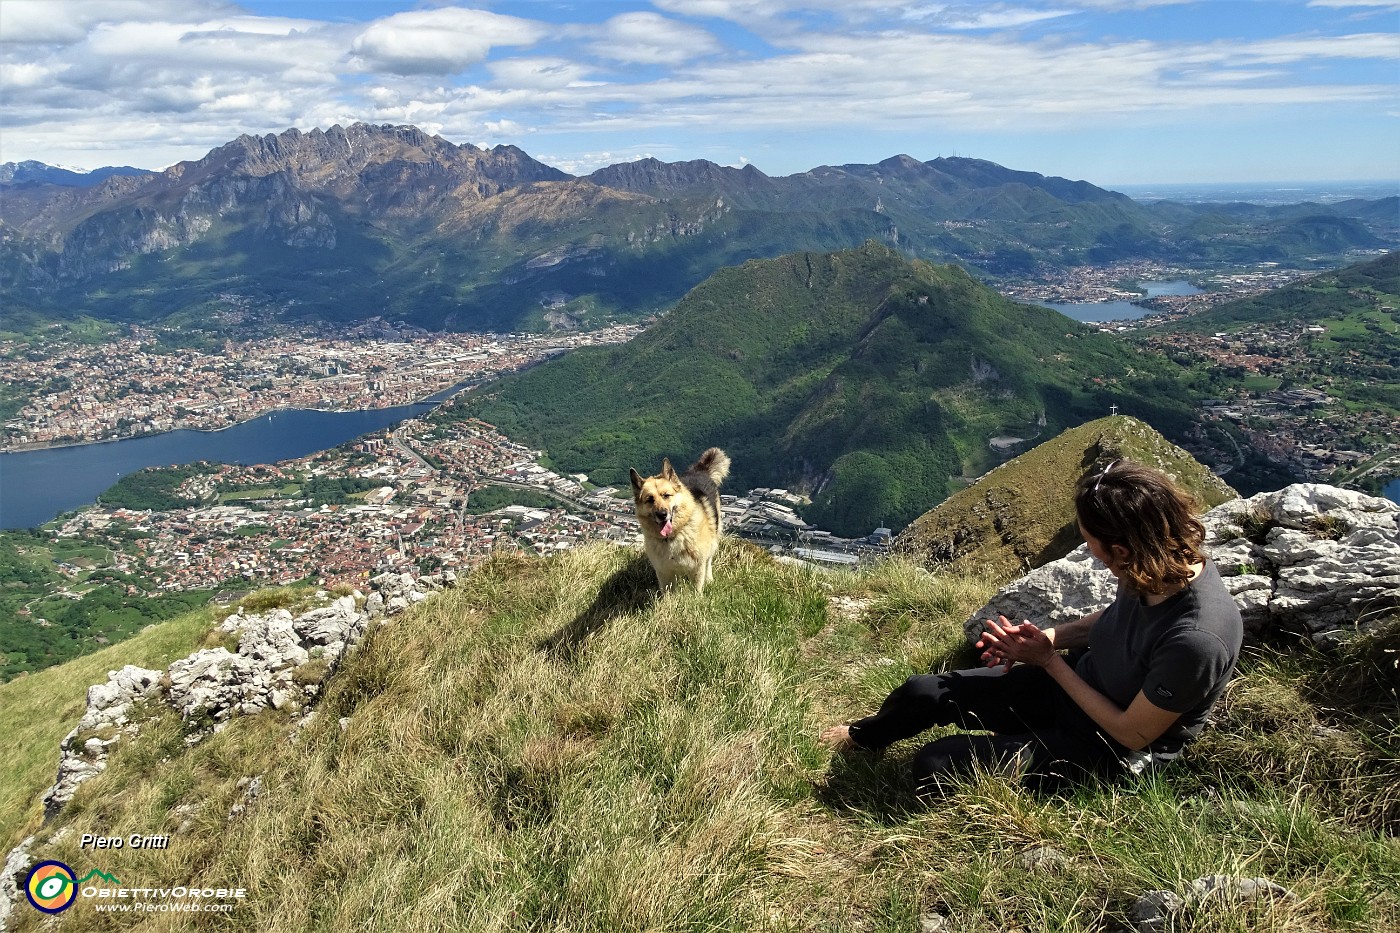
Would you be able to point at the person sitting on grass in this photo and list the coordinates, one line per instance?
(1140, 678)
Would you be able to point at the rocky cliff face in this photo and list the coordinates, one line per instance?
(1309, 561)
(296, 189)
(280, 662)
(394, 170)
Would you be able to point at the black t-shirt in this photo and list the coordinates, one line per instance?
(1181, 653)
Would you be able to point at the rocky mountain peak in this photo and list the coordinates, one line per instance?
(654, 176)
(902, 162)
(317, 156)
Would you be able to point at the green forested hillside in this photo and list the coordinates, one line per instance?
(867, 380)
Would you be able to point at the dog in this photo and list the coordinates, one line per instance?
(680, 518)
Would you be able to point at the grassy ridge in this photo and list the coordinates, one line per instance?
(1021, 515)
(548, 748)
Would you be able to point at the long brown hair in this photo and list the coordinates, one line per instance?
(1128, 504)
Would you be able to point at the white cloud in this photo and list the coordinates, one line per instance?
(69, 21)
(24, 75)
(646, 38)
(894, 79)
(538, 73)
(444, 41)
(196, 74)
(966, 14)
(1390, 5)
(998, 19)
(500, 128)
(585, 163)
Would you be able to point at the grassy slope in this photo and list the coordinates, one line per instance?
(1021, 515)
(546, 748)
(38, 710)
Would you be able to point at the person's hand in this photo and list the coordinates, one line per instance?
(1005, 642)
(838, 739)
(993, 654)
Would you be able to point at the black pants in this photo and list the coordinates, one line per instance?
(1032, 720)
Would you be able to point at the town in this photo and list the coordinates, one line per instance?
(263, 525)
(1121, 281)
(78, 393)
(1286, 402)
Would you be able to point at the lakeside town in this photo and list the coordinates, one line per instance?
(1122, 281)
(79, 393)
(259, 525)
(1281, 409)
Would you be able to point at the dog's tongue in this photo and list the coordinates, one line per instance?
(666, 529)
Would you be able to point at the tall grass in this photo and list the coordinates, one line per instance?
(37, 710)
(553, 747)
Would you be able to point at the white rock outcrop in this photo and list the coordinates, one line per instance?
(1308, 559)
(212, 686)
(83, 752)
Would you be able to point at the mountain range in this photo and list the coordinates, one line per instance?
(30, 174)
(350, 223)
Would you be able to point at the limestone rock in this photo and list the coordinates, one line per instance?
(1153, 911)
(108, 709)
(215, 685)
(12, 875)
(1044, 858)
(1059, 592)
(1308, 559)
(1224, 889)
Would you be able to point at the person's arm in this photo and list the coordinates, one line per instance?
(1136, 727)
(1068, 637)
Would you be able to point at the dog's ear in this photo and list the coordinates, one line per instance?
(636, 480)
(667, 471)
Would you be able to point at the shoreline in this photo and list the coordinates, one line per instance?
(63, 445)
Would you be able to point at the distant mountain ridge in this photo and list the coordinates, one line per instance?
(31, 172)
(412, 227)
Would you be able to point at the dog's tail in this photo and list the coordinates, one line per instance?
(714, 463)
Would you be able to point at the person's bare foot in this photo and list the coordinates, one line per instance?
(838, 739)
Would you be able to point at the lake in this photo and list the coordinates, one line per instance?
(36, 485)
(1092, 312)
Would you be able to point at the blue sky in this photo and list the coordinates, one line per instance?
(1112, 91)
